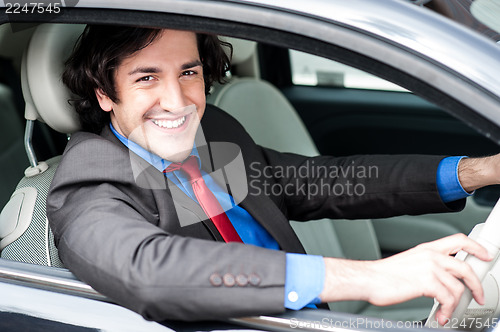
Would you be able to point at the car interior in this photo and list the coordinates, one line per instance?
(325, 118)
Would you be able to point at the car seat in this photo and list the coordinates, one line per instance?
(25, 235)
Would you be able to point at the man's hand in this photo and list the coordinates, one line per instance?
(474, 173)
(426, 270)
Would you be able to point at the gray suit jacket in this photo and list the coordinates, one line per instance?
(124, 229)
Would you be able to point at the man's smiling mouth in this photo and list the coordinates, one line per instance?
(169, 123)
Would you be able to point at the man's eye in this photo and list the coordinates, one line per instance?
(145, 79)
(189, 73)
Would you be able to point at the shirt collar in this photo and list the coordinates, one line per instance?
(155, 160)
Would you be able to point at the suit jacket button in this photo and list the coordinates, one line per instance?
(229, 280)
(215, 280)
(242, 280)
(254, 279)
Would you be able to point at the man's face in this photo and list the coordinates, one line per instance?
(161, 95)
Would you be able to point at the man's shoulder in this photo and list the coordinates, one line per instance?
(83, 137)
(87, 153)
(221, 126)
(86, 142)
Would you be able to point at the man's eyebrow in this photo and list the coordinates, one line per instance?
(145, 70)
(191, 64)
(155, 70)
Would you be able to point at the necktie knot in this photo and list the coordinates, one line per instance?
(189, 166)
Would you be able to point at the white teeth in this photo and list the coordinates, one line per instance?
(170, 124)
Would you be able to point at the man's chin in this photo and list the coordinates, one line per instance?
(173, 148)
(174, 156)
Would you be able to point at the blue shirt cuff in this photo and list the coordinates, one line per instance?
(448, 185)
(304, 281)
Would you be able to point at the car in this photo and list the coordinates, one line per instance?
(344, 77)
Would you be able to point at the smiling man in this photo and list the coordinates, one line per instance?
(162, 96)
(141, 101)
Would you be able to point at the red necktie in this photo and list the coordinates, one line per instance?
(206, 198)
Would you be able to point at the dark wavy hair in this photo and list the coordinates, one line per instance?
(101, 49)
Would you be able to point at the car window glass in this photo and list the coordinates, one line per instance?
(308, 69)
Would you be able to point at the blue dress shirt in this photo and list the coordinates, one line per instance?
(305, 274)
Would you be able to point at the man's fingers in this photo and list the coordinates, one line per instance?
(454, 272)
(462, 270)
(455, 286)
(446, 298)
(429, 270)
(452, 244)
(442, 319)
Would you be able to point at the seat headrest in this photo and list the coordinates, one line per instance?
(242, 49)
(45, 95)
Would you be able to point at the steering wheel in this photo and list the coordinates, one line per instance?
(469, 315)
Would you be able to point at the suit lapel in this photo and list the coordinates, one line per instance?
(228, 157)
(189, 212)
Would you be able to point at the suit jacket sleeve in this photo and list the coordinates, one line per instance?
(109, 241)
(365, 186)
(354, 187)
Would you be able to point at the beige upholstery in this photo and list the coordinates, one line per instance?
(46, 96)
(245, 55)
(24, 232)
(269, 118)
(242, 49)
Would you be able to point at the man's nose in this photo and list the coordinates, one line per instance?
(172, 97)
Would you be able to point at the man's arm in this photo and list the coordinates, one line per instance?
(426, 270)
(474, 173)
(405, 270)
(429, 265)
(355, 187)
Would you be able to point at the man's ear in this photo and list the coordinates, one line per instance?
(104, 101)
